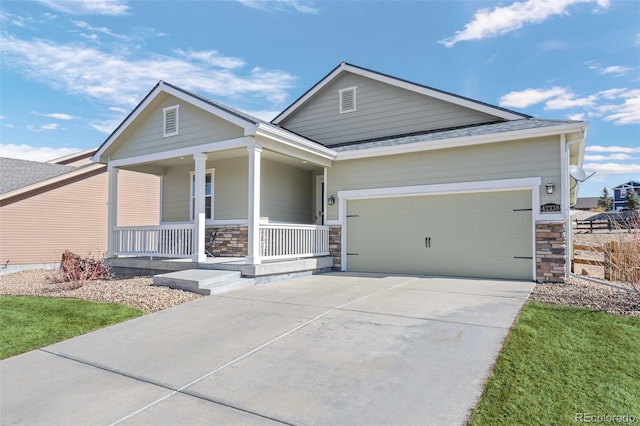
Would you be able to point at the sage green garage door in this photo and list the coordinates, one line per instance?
(486, 234)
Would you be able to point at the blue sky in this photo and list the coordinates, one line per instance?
(72, 70)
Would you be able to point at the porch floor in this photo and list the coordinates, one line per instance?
(284, 267)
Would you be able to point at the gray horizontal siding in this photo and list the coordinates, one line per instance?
(195, 127)
(286, 192)
(508, 160)
(381, 110)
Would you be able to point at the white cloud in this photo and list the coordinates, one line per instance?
(120, 79)
(616, 70)
(56, 115)
(612, 93)
(612, 168)
(282, 5)
(576, 117)
(45, 127)
(628, 112)
(620, 157)
(212, 57)
(28, 152)
(103, 30)
(264, 115)
(530, 97)
(568, 100)
(620, 106)
(88, 7)
(613, 148)
(105, 126)
(505, 19)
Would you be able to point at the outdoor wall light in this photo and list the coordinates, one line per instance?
(550, 187)
(331, 200)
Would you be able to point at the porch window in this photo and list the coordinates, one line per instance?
(208, 195)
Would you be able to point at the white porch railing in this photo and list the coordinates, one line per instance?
(162, 240)
(279, 241)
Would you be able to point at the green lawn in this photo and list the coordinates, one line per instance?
(564, 365)
(28, 323)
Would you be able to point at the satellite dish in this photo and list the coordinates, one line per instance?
(578, 173)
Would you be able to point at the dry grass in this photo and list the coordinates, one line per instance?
(619, 247)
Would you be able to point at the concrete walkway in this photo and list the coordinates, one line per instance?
(327, 349)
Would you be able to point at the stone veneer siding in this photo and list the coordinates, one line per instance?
(551, 250)
(335, 246)
(231, 241)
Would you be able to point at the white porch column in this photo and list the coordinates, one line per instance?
(112, 209)
(253, 215)
(200, 160)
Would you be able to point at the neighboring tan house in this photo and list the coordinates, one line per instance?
(383, 174)
(620, 194)
(47, 208)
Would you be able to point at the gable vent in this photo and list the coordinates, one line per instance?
(347, 100)
(170, 127)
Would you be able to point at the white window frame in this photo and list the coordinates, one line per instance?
(341, 96)
(192, 194)
(165, 111)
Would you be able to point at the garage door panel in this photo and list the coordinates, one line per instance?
(476, 235)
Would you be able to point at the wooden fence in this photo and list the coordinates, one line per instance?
(609, 224)
(621, 260)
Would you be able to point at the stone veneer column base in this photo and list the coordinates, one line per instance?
(231, 241)
(551, 250)
(335, 246)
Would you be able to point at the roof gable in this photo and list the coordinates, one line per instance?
(397, 82)
(380, 106)
(162, 91)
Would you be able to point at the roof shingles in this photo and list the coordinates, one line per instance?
(468, 131)
(16, 174)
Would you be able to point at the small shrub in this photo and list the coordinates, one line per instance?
(76, 271)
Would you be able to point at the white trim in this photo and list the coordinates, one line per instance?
(200, 160)
(565, 189)
(341, 94)
(253, 211)
(525, 184)
(344, 67)
(184, 152)
(75, 156)
(165, 112)
(443, 188)
(291, 144)
(429, 145)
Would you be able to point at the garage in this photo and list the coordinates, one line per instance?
(480, 234)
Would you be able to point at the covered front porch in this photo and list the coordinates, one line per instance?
(232, 186)
(240, 202)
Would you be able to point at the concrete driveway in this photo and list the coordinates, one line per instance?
(327, 349)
